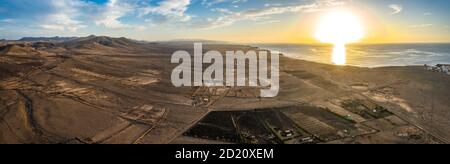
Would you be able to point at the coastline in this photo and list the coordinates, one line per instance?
(371, 55)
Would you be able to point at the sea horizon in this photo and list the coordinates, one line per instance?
(362, 55)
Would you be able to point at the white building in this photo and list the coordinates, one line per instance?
(444, 68)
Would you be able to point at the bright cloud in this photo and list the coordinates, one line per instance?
(421, 25)
(62, 22)
(7, 20)
(169, 9)
(254, 14)
(395, 8)
(209, 3)
(65, 16)
(113, 11)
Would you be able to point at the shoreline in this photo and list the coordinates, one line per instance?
(347, 65)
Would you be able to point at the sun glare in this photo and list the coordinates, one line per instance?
(339, 28)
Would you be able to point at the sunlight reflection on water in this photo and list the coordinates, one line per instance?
(371, 55)
(339, 56)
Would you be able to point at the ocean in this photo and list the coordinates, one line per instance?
(374, 55)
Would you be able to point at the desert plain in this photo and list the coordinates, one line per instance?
(104, 90)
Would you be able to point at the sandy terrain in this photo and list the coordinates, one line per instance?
(113, 90)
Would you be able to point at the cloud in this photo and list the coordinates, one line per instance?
(113, 11)
(396, 8)
(209, 3)
(64, 17)
(61, 21)
(222, 10)
(172, 10)
(73, 15)
(7, 20)
(427, 14)
(268, 22)
(421, 25)
(254, 14)
(52, 27)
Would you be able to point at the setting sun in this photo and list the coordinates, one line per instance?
(339, 28)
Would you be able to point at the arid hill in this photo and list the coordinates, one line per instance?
(92, 41)
(116, 90)
(46, 39)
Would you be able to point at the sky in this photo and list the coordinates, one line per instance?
(242, 21)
